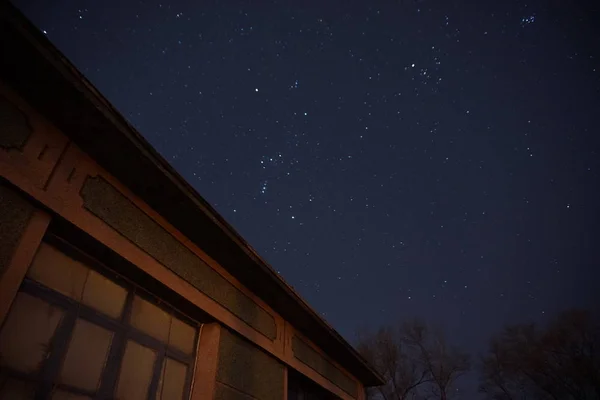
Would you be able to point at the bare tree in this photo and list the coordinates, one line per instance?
(443, 363)
(397, 363)
(415, 362)
(561, 361)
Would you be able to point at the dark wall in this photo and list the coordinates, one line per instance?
(15, 212)
(307, 355)
(244, 370)
(302, 388)
(15, 128)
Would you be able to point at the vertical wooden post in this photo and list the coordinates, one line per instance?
(285, 382)
(21, 259)
(361, 392)
(207, 358)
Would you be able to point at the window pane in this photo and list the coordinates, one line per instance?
(182, 336)
(150, 319)
(104, 295)
(64, 395)
(136, 372)
(13, 389)
(86, 356)
(172, 382)
(56, 270)
(26, 335)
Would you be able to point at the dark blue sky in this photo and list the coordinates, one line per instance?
(390, 159)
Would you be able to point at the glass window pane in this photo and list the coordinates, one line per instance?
(150, 319)
(64, 395)
(172, 383)
(86, 355)
(26, 335)
(14, 389)
(182, 336)
(56, 270)
(104, 295)
(136, 372)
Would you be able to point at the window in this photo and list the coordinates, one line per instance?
(78, 331)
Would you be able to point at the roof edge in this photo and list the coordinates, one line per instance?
(44, 61)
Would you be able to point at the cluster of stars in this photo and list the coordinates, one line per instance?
(527, 20)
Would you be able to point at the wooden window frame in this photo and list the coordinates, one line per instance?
(46, 379)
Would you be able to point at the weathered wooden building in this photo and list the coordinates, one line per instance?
(117, 280)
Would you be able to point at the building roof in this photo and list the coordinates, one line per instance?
(29, 62)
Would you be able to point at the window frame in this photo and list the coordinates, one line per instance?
(46, 378)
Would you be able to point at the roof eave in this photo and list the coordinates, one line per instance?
(30, 61)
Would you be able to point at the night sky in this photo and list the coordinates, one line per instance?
(389, 159)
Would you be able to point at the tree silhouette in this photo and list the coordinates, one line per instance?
(443, 363)
(415, 361)
(561, 361)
